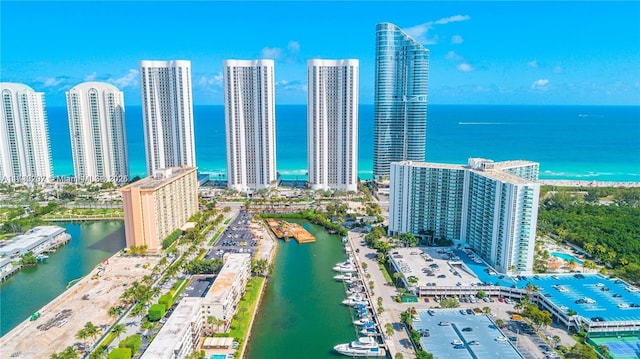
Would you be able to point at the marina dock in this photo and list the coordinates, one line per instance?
(285, 230)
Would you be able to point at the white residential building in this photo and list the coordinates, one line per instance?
(249, 111)
(167, 110)
(491, 206)
(98, 134)
(25, 153)
(332, 123)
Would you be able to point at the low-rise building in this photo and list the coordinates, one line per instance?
(35, 240)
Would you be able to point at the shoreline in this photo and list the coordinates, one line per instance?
(592, 184)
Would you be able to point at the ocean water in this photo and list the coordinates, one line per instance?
(599, 143)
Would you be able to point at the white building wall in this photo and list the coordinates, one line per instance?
(25, 152)
(249, 97)
(332, 123)
(167, 110)
(98, 134)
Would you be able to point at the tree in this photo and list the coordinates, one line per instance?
(406, 318)
(486, 310)
(398, 356)
(397, 276)
(114, 311)
(82, 335)
(70, 353)
(500, 323)
(389, 329)
(604, 350)
(556, 340)
(92, 330)
(118, 330)
(212, 320)
(99, 353)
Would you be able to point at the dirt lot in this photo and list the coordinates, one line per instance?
(62, 318)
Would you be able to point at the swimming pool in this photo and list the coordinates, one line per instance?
(567, 257)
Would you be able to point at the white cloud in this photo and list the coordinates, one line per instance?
(540, 84)
(294, 47)
(457, 39)
(294, 85)
(271, 53)
(128, 80)
(451, 55)
(52, 81)
(533, 63)
(215, 80)
(91, 77)
(465, 67)
(419, 32)
(454, 18)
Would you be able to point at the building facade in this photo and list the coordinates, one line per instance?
(249, 112)
(400, 102)
(25, 152)
(98, 133)
(158, 205)
(332, 123)
(483, 204)
(167, 111)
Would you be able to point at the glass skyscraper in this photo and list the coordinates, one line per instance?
(400, 122)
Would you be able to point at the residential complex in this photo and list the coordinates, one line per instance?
(25, 153)
(249, 112)
(400, 100)
(167, 111)
(159, 204)
(98, 134)
(491, 206)
(332, 124)
(183, 331)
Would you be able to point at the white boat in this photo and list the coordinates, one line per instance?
(344, 267)
(623, 305)
(345, 276)
(364, 322)
(363, 347)
(370, 331)
(353, 302)
(588, 300)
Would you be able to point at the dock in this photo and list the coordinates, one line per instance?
(285, 230)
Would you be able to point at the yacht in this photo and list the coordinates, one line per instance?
(369, 331)
(345, 276)
(364, 322)
(344, 267)
(352, 302)
(623, 305)
(363, 347)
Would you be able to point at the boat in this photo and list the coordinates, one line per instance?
(35, 316)
(623, 305)
(457, 342)
(362, 347)
(42, 257)
(345, 276)
(364, 322)
(352, 302)
(344, 239)
(588, 300)
(344, 267)
(369, 331)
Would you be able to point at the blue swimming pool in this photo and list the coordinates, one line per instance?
(566, 257)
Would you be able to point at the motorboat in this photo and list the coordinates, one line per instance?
(344, 267)
(362, 347)
(623, 305)
(345, 276)
(352, 302)
(369, 331)
(364, 322)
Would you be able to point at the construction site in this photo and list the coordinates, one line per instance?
(54, 326)
(285, 230)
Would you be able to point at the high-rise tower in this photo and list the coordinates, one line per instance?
(332, 122)
(400, 120)
(25, 153)
(167, 109)
(249, 112)
(98, 135)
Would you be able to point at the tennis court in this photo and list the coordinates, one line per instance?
(619, 347)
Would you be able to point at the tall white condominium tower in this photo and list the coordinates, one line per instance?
(332, 122)
(98, 136)
(167, 109)
(25, 153)
(249, 113)
(400, 102)
(492, 206)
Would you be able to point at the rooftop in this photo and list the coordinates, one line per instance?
(233, 263)
(29, 239)
(160, 178)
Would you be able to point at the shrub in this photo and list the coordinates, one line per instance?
(133, 343)
(167, 300)
(120, 353)
(156, 312)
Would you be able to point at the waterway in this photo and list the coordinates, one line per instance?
(31, 288)
(302, 315)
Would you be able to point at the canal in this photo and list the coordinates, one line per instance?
(301, 314)
(31, 288)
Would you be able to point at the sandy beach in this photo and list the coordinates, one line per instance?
(572, 183)
(63, 317)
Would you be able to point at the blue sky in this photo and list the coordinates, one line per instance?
(501, 52)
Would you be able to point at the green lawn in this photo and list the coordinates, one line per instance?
(385, 273)
(246, 307)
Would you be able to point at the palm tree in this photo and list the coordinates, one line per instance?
(212, 320)
(92, 330)
(486, 310)
(604, 350)
(70, 353)
(99, 353)
(397, 276)
(389, 329)
(114, 311)
(499, 323)
(556, 340)
(82, 334)
(118, 330)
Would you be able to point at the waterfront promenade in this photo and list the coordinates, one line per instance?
(86, 301)
(572, 183)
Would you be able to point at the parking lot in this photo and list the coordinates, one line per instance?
(199, 285)
(238, 237)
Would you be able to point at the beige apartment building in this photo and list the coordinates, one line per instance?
(159, 204)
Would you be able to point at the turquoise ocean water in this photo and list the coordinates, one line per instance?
(571, 142)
